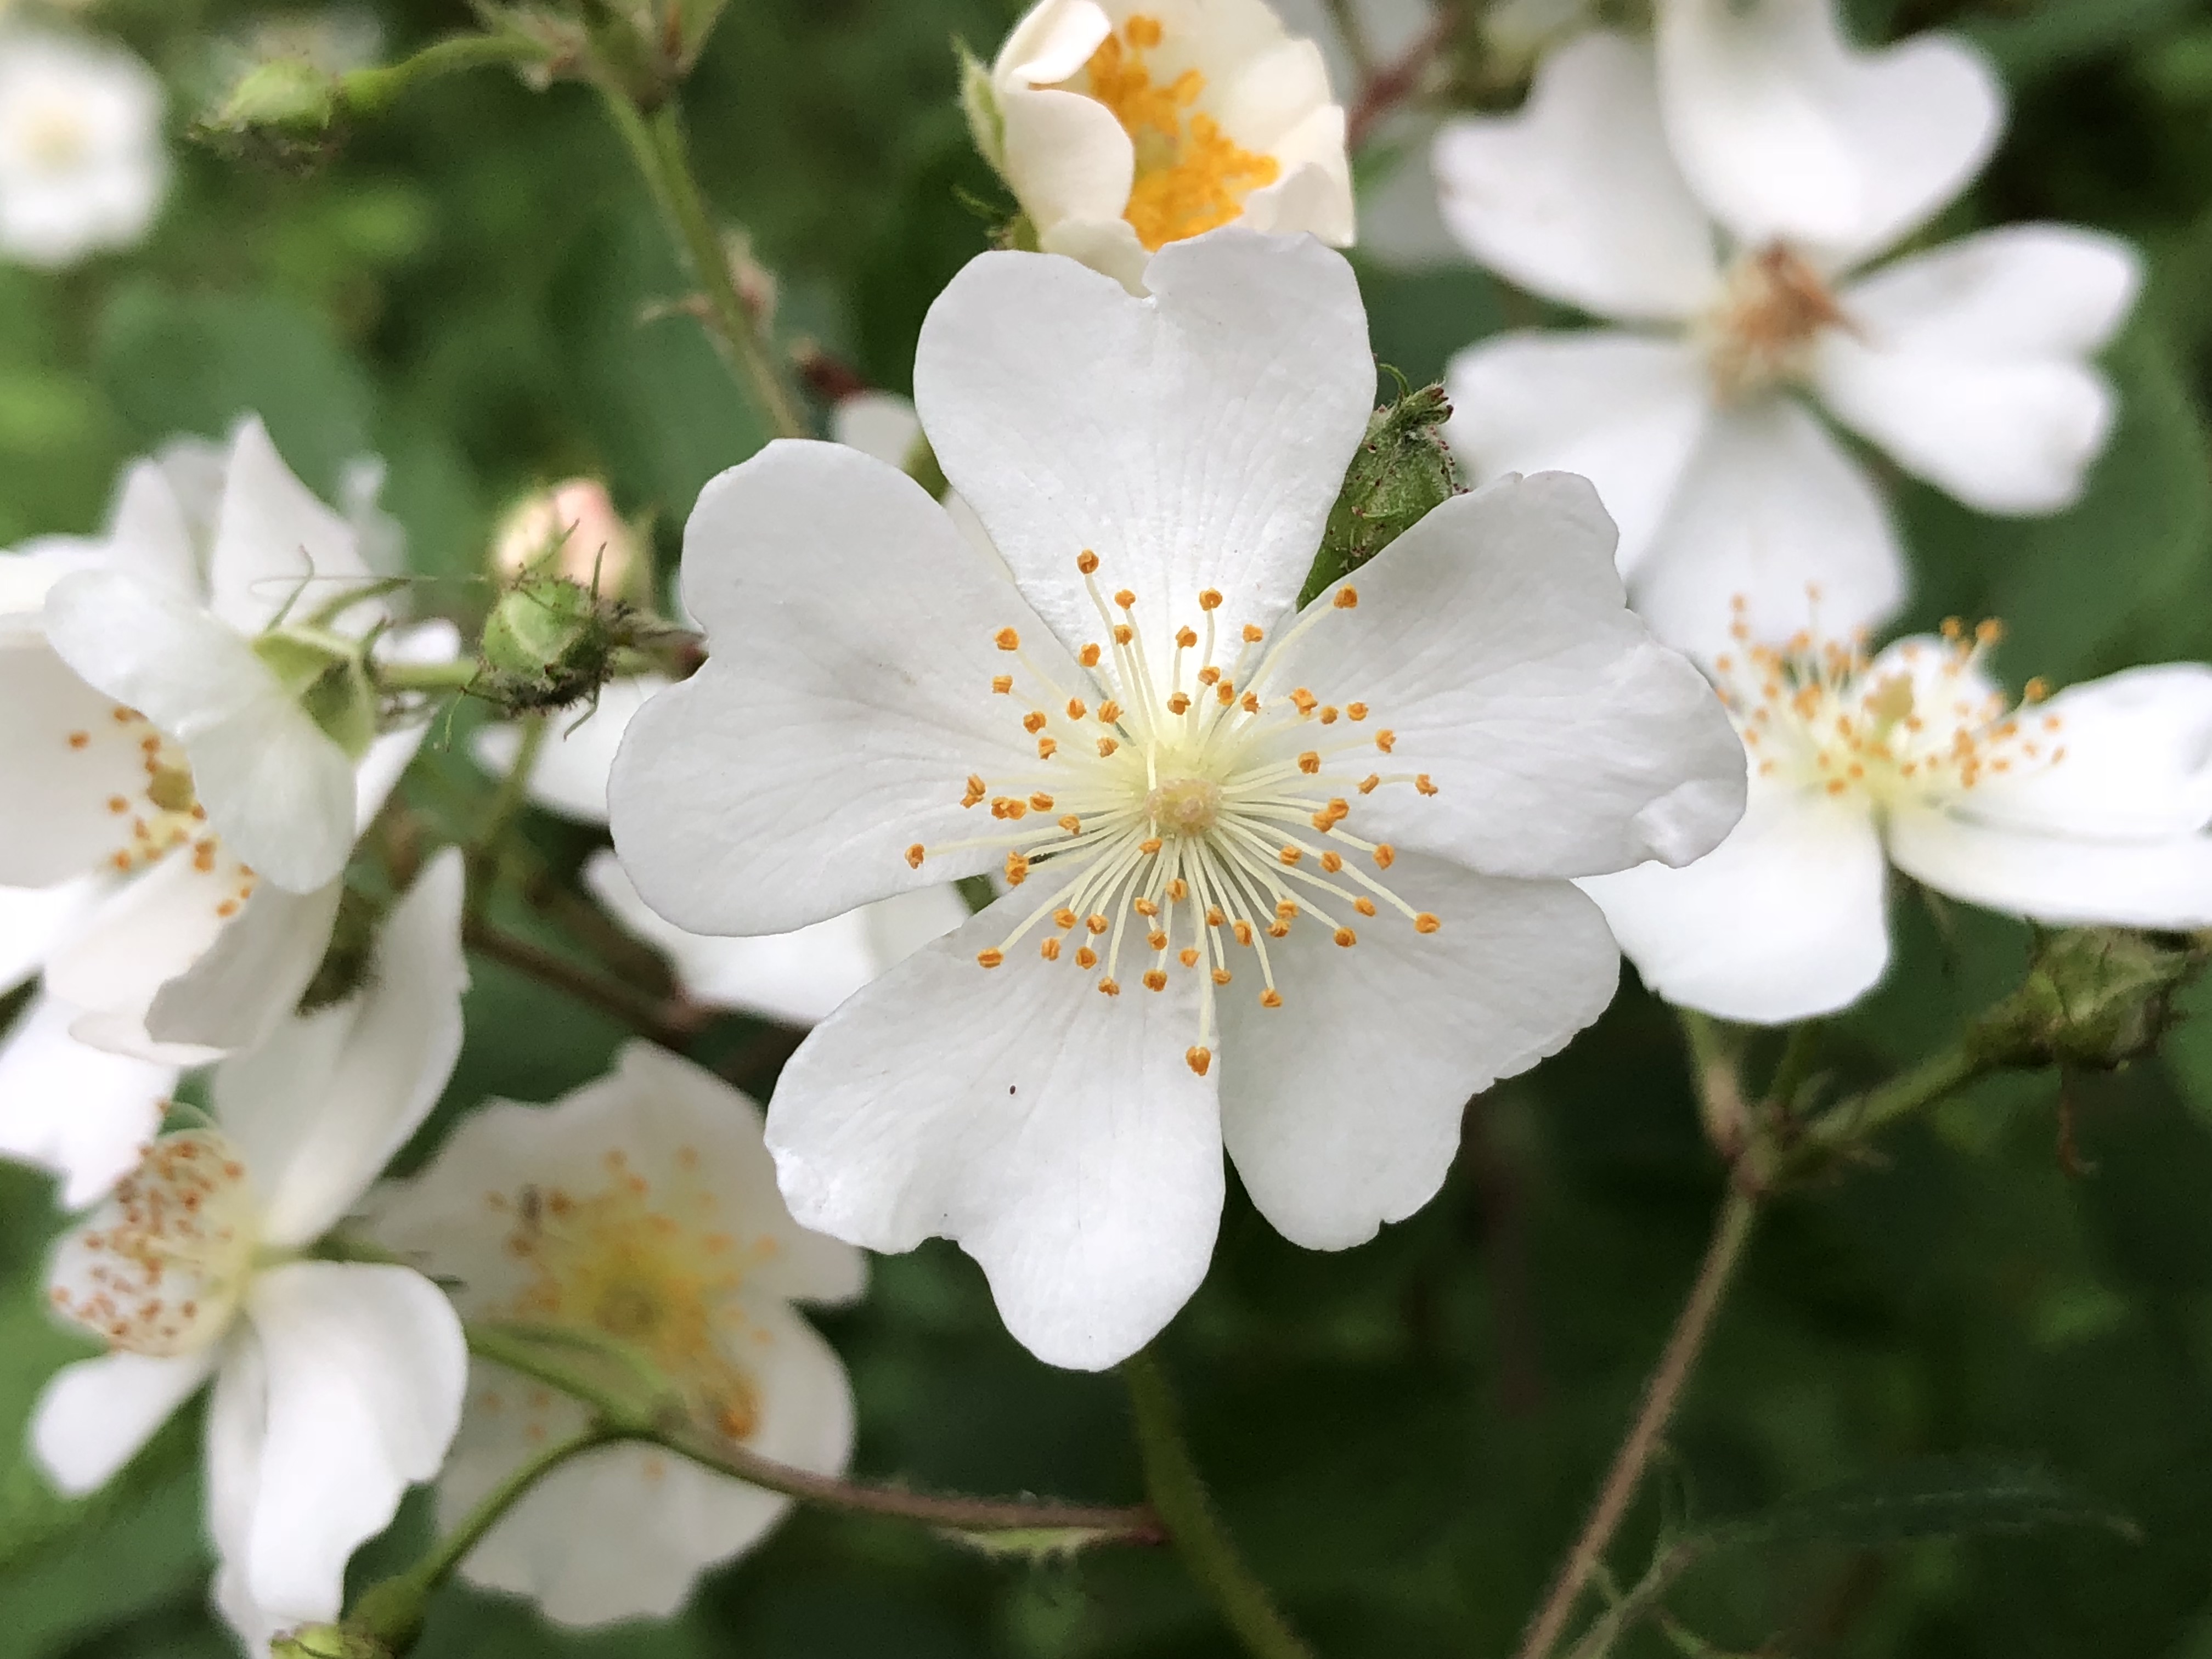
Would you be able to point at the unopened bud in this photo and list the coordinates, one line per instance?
(2094, 999)
(285, 110)
(1401, 472)
(549, 642)
(571, 531)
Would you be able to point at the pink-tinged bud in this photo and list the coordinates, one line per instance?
(570, 531)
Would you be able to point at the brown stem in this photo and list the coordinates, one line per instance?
(1392, 84)
(648, 1017)
(1730, 1232)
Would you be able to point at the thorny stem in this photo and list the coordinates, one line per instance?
(391, 1611)
(657, 144)
(1731, 1231)
(1178, 1493)
(671, 1429)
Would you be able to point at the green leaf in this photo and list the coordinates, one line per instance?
(176, 363)
(2051, 35)
(1940, 1497)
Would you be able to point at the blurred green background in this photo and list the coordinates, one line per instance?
(1403, 1436)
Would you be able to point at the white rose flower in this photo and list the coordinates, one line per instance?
(1721, 201)
(1162, 759)
(81, 166)
(157, 936)
(336, 1384)
(1122, 126)
(642, 1206)
(2090, 809)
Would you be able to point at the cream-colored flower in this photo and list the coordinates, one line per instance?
(1122, 126)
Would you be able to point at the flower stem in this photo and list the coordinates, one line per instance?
(1194, 1526)
(1393, 84)
(458, 675)
(1731, 1231)
(507, 804)
(657, 144)
(630, 1417)
(643, 1014)
(1842, 1128)
(390, 1612)
(371, 91)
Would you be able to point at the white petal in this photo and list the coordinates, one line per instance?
(2057, 878)
(234, 996)
(237, 1416)
(55, 820)
(1058, 1134)
(1786, 132)
(1493, 639)
(148, 533)
(1053, 40)
(625, 1532)
(878, 424)
(1342, 1109)
(1576, 195)
(320, 1109)
(141, 937)
(366, 1368)
(1966, 363)
(277, 548)
(793, 978)
(1625, 410)
(1786, 921)
(2137, 762)
(80, 1111)
(1196, 439)
(570, 777)
(1067, 157)
(92, 1417)
(846, 699)
(279, 792)
(34, 922)
(1771, 510)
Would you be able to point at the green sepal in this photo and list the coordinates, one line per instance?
(2094, 999)
(327, 677)
(1402, 472)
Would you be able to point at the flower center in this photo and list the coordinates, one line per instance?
(1191, 176)
(162, 814)
(1761, 332)
(53, 136)
(161, 1266)
(1191, 794)
(652, 1268)
(1923, 730)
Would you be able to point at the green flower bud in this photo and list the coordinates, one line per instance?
(548, 643)
(979, 102)
(285, 111)
(1402, 470)
(2094, 999)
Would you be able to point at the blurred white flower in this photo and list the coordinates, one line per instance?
(81, 166)
(1168, 773)
(1122, 126)
(336, 1384)
(572, 530)
(1720, 198)
(796, 978)
(157, 934)
(643, 1207)
(2089, 809)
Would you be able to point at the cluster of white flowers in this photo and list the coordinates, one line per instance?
(1269, 884)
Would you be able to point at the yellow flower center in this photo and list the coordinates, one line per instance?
(652, 1268)
(1762, 331)
(1186, 799)
(1815, 715)
(1191, 176)
(165, 1260)
(53, 136)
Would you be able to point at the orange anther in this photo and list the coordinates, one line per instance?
(1243, 931)
(1345, 937)
(1042, 802)
(1347, 597)
(1086, 561)
(1332, 862)
(1209, 599)
(1049, 950)
(1095, 923)
(1328, 715)
(1365, 906)
(1357, 710)
(990, 958)
(1199, 1060)
(1289, 855)
(1187, 956)
(1385, 856)
(1271, 998)
(1111, 987)
(1155, 980)
(1073, 824)
(1107, 746)
(1063, 917)
(1086, 957)
(1186, 637)
(1305, 700)
(1123, 632)
(1221, 977)
(1125, 599)
(1088, 656)
(1007, 640)
(1046, 747)
(1017, 869)
(1425, 923)
(1002, 684)
(1150, 845)
(1253, 635)
(1421, 783)
(1034, 721)
(1386, 739)
(1156, 940)
(914, 855)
